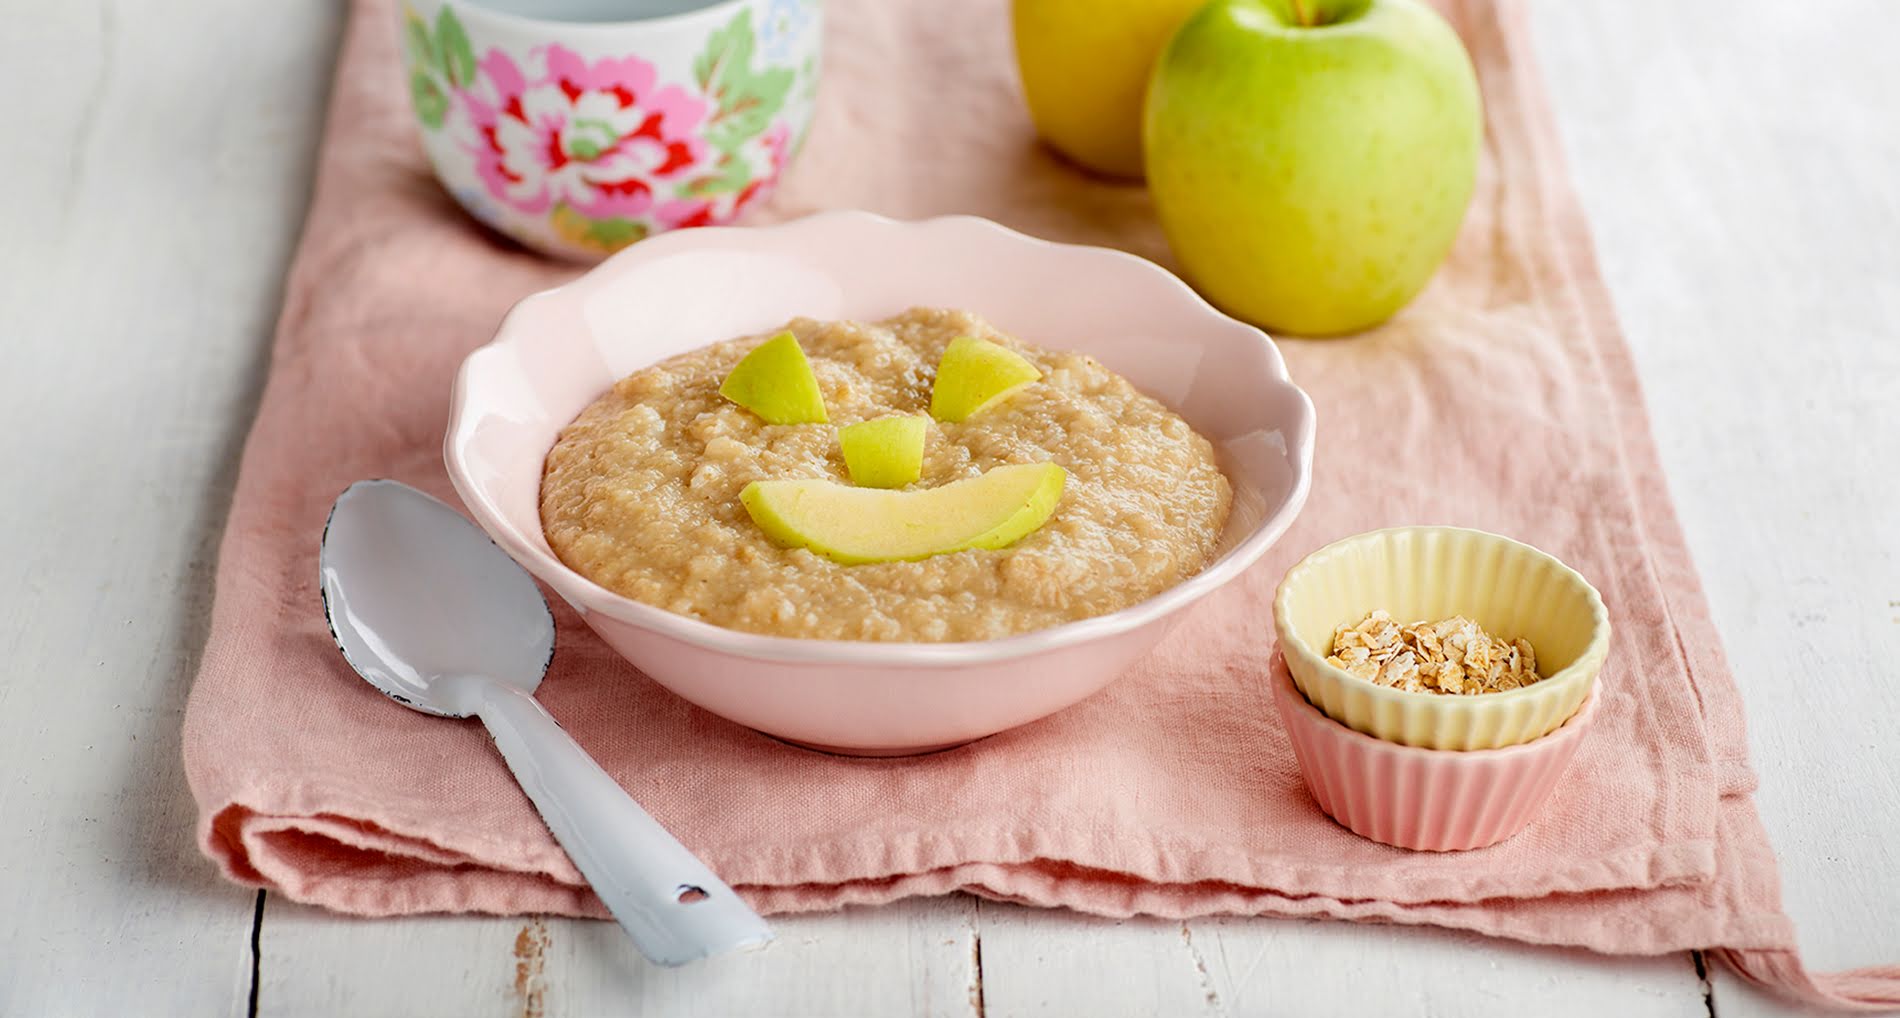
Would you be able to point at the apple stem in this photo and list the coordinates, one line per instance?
(1302, 15)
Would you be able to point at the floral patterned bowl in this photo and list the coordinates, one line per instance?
(579, 138)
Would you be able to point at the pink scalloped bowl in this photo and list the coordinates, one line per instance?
(558, 350)
(1434, 800)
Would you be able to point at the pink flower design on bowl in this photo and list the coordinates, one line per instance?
(761, 160)
(595, 138)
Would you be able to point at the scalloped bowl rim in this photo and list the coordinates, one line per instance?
(1587, 663)
(577, 589)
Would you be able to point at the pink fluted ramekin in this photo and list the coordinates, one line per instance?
(1434, 800)
(557, 351)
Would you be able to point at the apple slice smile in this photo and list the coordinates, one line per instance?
(859, 525)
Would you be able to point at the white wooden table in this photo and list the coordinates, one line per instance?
(1738, 163)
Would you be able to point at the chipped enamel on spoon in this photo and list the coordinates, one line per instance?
(428, 610)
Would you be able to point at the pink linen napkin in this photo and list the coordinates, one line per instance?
(1504, 399)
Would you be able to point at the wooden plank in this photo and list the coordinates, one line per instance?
(1055, 964)
(156, 159)
(313, 962)
(1309, 967)
(1737, 166)
(913, 958)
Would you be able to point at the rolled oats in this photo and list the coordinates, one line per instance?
(1454, 656)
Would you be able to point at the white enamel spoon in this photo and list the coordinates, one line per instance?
(435, 616)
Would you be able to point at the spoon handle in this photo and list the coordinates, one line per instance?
(673, 906)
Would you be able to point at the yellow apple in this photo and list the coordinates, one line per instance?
(974, 374)
(1084, 65)
(775, 382)
(858, 525)
(887, 452)
(1311, 160)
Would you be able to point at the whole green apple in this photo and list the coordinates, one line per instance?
(1310, 160)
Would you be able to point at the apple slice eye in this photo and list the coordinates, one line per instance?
(975, 374)
(776, 382)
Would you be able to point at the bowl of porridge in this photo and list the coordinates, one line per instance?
(873, 551)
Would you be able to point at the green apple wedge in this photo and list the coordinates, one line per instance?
(975, 374)
(858, 525)
(775, 381)
(887, 452)
(1310, 160)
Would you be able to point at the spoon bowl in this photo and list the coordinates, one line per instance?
(416, 585)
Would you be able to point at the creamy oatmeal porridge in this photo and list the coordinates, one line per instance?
(641, 492)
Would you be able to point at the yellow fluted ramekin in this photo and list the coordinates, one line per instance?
(1511, 589)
